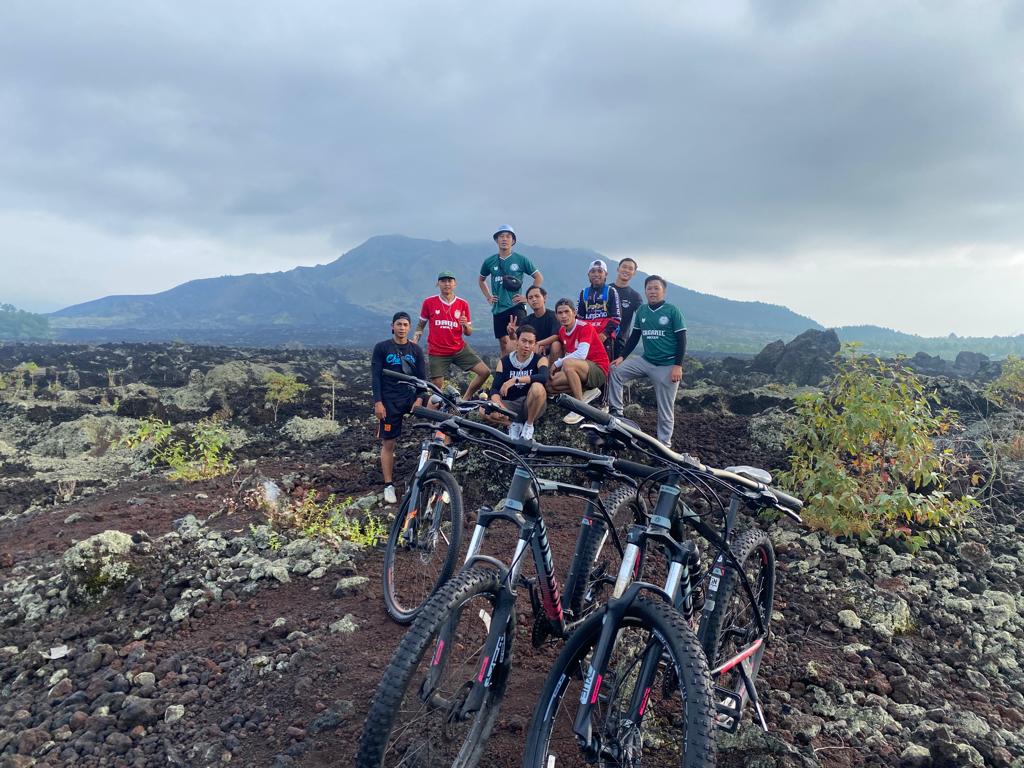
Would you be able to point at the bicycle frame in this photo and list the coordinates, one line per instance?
(521, 508)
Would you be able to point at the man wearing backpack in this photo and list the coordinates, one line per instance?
(598, 305)
(501, 283)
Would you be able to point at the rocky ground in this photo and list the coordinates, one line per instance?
(145, 621)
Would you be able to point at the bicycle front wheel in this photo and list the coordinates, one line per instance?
(423, 545)
(731, 627)
(422, 714)
(595, 558)
(663, 717)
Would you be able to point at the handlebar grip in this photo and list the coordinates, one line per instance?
(789, 502)
(639, 471)
(430, 414)
(400, 376)
(577, 406)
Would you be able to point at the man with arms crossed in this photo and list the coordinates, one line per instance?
(448, 317)
(584, 364)
(501, 283)
(519, 383)
(391, 398)
(663, 330)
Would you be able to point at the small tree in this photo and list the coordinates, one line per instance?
(328, 380)
(283, 388)
(864, 454)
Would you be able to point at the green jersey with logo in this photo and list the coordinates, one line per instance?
(496, 268)
(658, 331)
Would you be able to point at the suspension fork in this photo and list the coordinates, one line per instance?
(521, 508)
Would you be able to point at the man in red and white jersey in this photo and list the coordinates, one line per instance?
(583, 368)
(449, 320)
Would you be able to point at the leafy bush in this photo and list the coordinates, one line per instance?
(864, 454)
(283, 388)
(1003, 433)
(203, 456)
(311, 518)
(1007, 391)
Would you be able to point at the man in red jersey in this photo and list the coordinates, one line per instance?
(449, 320)
(584, 364)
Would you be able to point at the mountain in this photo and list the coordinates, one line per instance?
(350, 301)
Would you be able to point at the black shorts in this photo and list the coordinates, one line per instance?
(390, 427)
(501, 319)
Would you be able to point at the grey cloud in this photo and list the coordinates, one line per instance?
(750, 131)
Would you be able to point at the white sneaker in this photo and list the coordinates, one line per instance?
(389, 495)
(591, 395)
(572, 418)
(515, 430)
(527, 431)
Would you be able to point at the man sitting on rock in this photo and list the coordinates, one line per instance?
(584, 362)
(519, 383)
(391, 398)
(663, 330)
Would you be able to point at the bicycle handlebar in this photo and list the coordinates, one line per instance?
(790, 503)
(453, 400)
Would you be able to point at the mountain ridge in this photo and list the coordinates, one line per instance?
(350, 300)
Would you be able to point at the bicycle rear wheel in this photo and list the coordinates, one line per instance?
(731, 627)
(676, 724)
(423, 545)
(417, 718)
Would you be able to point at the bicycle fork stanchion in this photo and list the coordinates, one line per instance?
(519, 508)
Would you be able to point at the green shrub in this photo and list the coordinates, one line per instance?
(326, 519)
(864, 455)
(203, 456)
(1007, 391)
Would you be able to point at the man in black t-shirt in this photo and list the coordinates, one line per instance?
(391, 398)
(518, 384)
(542, 320)
(629, 300)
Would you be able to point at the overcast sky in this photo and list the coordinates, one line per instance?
(859, 162)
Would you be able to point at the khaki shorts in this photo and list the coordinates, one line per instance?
(465, 359)
(595, 376)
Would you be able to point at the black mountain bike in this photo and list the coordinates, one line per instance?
(426, 535)
(611, 698)
(442, 690)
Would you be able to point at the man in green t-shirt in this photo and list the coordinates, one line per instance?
(501, 282)
(663, 330)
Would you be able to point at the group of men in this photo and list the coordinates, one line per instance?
(582, 347)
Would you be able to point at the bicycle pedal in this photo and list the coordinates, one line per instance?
(728, 709)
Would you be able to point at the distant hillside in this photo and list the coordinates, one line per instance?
(887, 342)
(350, 300)
(19, 325)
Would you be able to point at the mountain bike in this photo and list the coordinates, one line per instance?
(426, 535)
(441, 692)
(613, 693)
